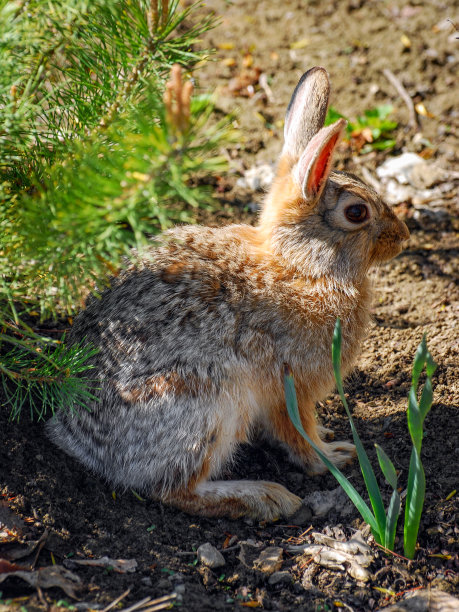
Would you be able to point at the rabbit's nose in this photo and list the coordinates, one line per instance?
(404, 232)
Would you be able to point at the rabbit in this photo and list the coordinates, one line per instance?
(193, 334)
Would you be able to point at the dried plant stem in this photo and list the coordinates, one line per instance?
(117, 601)
(414, 119)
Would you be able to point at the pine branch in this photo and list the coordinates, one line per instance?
(65, 63)
(92, 162)
(41, 372)
(48, 380)
(112, 193)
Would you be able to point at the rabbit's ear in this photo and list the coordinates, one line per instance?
(306, 111)
(314, 165)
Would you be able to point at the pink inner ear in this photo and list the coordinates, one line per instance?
(321, 166)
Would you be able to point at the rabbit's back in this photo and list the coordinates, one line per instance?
(193, 304)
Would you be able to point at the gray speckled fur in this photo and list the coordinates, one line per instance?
(144, 327)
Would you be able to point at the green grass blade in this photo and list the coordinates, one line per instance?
(414, 419)
(365, 465)
(414, 502)
(416, 477)
(431, 366)
(419, 361)
(393, 512)
(387, 467)
(425, 403)
(354, 496)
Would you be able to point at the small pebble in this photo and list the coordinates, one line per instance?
(269, 560)
(280, 578)
(208, 555)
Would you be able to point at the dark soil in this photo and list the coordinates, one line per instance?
(416, 294)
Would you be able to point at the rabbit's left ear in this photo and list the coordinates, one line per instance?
(314, 165)
(306, 111)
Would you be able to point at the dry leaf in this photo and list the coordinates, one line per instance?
(227, 541)
(15, 551)
(6, 567)
(243, 84)
(44, 578)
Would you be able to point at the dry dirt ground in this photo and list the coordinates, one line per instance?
(45, 491)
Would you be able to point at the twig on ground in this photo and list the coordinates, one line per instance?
(298, 539)
(404, 593)
(152, 605)
(41, 542)
(138, 605)
(117, 600)
(414, 119)
(41, 597)
(158, 607)
(263, 82)
(391, 552)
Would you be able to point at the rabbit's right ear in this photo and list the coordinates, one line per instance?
(306, 111)
(313, 168)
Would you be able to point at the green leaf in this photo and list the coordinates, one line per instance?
(419, 361)
(431, 366)
(354, 496)
(379, 112)
(393, 512)
(332, 116)
(414, 420)
(387, 126)
(44, 373)
(414, 503)
(365, 465)
(387, 467)
(425, 402)
(384, 110)
(382, 145)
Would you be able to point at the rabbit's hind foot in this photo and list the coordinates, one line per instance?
(339, 453)
(257, 499)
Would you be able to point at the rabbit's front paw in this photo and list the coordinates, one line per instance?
(274, 501)
(258, 499)
(339, 453)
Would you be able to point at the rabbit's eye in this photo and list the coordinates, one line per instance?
(357, 213)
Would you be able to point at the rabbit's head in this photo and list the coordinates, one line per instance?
(324, 223)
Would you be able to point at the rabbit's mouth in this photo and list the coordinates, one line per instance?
(390, 242)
